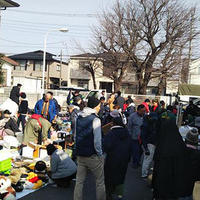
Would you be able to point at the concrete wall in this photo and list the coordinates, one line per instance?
(61, 97)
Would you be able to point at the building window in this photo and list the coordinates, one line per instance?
(84, 64)
(83, 84)
(106, 86)
(58, 67)
(22, 65)
(38, 66)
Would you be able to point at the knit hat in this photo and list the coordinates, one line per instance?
(192, 137)
(40, 166)
(93, 102)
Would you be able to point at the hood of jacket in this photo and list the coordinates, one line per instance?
(87, 111)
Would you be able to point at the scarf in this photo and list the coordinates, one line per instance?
(45, 108)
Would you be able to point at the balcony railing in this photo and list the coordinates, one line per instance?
(79, 74)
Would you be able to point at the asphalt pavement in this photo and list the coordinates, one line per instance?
(136, 188)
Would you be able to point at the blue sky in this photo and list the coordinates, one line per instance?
(23, 31)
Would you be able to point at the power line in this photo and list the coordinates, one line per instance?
(84, 28)
(29, 26)
(43, 23)
(54, 14)
(39, 31)
(24, 43)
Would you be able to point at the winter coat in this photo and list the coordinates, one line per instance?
(23, 107)
(119, 101)
(130, 110)
(172, 175)
(33, 128)
(88, 135)
(15, 94)
(62, 165)
(51, 111)
(117, 146)
(56, 105)
(73, 117)
(149, 129)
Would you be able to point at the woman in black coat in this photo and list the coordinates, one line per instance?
(172, 175)
(117, 145)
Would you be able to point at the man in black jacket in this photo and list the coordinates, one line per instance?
(15, 93)
(23, 110)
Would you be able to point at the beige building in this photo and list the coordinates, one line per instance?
(31, 66)
(194, 72)
(80, 77)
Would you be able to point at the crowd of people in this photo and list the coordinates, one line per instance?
(110, 134)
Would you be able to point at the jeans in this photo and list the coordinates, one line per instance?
(148, 160)
(136, 153)
(22, 119)
(96, 165)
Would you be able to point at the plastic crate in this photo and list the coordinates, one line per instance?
(5, 165)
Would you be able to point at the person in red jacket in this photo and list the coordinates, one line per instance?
(146, 103)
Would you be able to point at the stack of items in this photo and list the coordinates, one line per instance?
(20, 173)
(26, 177)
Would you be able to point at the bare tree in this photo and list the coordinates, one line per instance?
(143, 31)
(92, 64)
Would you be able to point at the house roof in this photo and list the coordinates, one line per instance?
(8, 3)
(104, 55)
(10, 61)
(35, 55)
(84, 55)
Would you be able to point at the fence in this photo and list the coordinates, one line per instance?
(61, 96)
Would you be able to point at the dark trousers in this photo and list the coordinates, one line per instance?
(64, 182)
(136, 152)
(21, 119)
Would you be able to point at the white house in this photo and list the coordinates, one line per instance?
(7, 67)
(194, 72)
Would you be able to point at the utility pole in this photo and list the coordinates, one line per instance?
(190, 45)
(60, 68)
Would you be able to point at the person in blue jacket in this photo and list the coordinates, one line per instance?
(46, 107)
